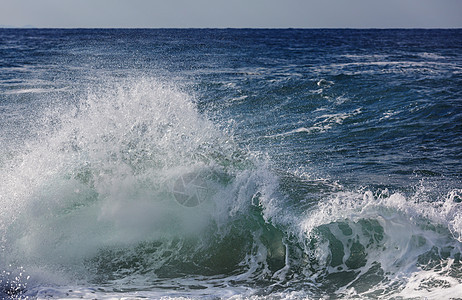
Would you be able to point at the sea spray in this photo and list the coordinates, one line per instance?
(230, 163)
(133, 186)
(104, 187)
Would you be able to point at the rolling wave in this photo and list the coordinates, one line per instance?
(133, 187)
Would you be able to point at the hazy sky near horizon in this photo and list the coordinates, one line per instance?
(232, 13)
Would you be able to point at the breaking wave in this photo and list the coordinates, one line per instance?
(133, 188)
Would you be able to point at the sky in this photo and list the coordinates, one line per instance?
(231, 13)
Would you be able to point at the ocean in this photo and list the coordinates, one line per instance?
(230, 164)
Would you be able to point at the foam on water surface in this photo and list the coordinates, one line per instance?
(275, 171)
(133, 187)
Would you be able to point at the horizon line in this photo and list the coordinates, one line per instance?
(224, 28)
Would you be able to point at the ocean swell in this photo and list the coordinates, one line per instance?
(132, 187)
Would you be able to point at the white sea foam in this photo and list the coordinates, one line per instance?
(374, 67)
(101, 175)
(412, 229)
(94, 177)
(322, 123)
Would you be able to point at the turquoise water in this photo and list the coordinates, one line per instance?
(230, 164)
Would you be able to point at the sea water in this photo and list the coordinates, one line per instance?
(262, 164)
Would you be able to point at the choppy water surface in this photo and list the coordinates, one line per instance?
(231, 163)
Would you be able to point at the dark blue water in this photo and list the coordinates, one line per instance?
(230, 163)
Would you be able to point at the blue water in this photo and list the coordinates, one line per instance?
(208, 163)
